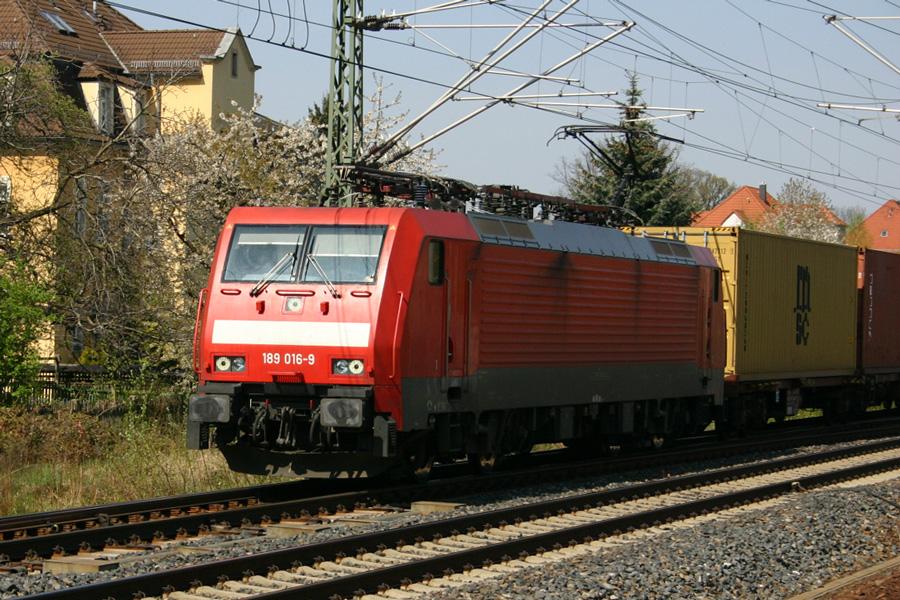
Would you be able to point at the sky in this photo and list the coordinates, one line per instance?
(751, 76)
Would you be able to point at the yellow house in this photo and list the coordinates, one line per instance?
(189, 71)
(130, 82)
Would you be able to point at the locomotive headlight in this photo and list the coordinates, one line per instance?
(346, 366)
(293, 304)
(231, 364)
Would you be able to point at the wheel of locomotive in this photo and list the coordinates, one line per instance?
(526, 446)
(418, 458)
(484, 462)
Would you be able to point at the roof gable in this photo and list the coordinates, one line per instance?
(883, 227)
(745, 202)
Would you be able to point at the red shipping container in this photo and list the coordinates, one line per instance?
(879, 318)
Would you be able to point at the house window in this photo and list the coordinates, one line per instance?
(5, 192)
(138, 108)
(90, 16)
(76, 337)
(58, 22)
(884, 233)
(81, 193)
(5, 198)
(105, 108)
(104, 216)
(234, 64)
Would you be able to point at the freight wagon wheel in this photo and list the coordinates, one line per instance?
(658, 441)
(484, 462)
(417, 462)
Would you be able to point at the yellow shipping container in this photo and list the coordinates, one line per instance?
(790, 303)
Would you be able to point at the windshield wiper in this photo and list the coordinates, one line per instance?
(296, 262)
(315, 263)
(268, 277)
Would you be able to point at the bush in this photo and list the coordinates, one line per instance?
(55, 459)
(23, 317)
(30, 437)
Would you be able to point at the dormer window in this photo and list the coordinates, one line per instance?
(884, 233)
(90, 16)
(58, 22)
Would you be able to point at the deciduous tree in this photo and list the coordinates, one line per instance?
(181, 185)
(804, 212)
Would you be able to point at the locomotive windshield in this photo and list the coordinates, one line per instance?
(280, 253)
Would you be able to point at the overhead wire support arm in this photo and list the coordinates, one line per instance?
(537, 96)
(378, 153)
(883, 109)
(832, 20)
(888, 111)
(345, 99)
(624, 26)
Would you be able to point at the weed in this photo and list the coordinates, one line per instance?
(51, 460)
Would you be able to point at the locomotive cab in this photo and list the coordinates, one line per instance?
(282, 345)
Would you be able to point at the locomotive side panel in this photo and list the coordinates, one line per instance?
(558, 329)
(422, 326)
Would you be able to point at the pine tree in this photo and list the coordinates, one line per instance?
(634, 169)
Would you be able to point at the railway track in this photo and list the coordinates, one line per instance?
(416, 558)
(26, 540)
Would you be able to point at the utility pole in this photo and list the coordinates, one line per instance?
(345, 100)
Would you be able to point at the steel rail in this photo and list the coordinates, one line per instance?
(236, 568)
(283, 499)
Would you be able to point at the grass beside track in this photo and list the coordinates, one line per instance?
(51, 460)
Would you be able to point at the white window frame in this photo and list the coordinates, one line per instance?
(105, 107)
(5, 192)
(5, 201)
(139, 108)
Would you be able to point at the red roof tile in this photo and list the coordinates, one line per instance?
(746, 202)
(107, 39)
(181, 50)
(67, 28)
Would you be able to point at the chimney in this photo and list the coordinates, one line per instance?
(762, 193)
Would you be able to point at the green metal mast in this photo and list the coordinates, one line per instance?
(345, 100)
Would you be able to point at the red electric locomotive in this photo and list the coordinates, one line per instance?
(349, 342)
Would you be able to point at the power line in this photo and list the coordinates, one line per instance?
(759, 91)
